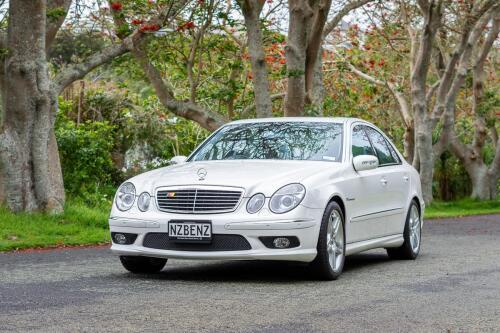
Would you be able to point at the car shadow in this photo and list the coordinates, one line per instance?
(256, 271)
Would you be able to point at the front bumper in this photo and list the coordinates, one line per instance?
(303, 223)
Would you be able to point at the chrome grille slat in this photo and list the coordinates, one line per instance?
(197, 200)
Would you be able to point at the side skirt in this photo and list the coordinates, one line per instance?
(387, 241)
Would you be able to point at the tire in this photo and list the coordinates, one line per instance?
(412, 236)
(142, 265)
(329, 261)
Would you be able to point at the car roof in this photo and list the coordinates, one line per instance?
(342, 120)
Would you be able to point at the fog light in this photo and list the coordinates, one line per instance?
(281, 242)
(120, 239)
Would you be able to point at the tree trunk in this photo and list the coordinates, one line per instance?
(409, 143)
(251, 12)
(300, 14)
(28, 120)
(423, 142)
(420, 68)
(2, 188)
(314, 52)
(317, 93)
(483, 182)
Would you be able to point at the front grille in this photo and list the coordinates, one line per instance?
(220, 242)
(195, 200)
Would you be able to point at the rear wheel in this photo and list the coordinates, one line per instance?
(330, 259)
(412, 236)
(142, 264)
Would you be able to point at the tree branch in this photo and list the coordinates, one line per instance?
(249, 108)
(432, 90)
(332, 24)
(473, 27)
(461, 72)
(433, 15)
(78, 71)
(495, 165)
(404, 107)
(189, 110)
(54, 22)
(3, 40)
(460, 149)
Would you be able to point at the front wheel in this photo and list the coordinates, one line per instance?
(141, 265)
(412, 236)
(329, 262)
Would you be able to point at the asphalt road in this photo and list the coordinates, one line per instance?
(454, 286)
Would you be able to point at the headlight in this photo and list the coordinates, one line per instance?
(125, 197)
(287, 198)
(255, 203)
(143, 201)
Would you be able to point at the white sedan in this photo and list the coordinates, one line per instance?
(301, 189)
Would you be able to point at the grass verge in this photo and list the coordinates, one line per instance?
(78, 225)
(462, 207)
(81, 225)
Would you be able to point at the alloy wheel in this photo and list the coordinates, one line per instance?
(414, 225)
(335, 241)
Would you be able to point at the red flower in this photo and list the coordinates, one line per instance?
(283, 61)
(117, 6)
(149, 27)
(137, 21)
(381, 63)
(186, 26)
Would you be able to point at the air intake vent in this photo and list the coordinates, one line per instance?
(220, 242)
(198, 200)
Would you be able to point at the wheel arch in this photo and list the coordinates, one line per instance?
(337, 199)
(417, 200)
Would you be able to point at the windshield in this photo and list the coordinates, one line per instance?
(314, 141)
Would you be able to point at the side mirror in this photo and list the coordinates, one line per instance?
(178, 159)
(365, 162)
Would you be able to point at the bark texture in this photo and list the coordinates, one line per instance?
(316, 91)
(300, 17)
(30, 170)
(251, 12)
(452, 74)
(484, 178)
(432, 12)
(28, 120)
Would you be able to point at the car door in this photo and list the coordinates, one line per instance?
(365, 192)
(395, 181)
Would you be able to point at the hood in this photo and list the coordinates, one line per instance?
(254, 176)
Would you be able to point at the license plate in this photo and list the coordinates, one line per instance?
(190, 231)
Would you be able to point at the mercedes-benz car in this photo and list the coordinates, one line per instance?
(312, 190)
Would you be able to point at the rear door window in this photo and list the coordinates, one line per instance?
(384, 153)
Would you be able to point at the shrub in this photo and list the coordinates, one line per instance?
(85, 153)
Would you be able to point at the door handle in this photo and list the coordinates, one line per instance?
(383, 181)
(406, 178)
